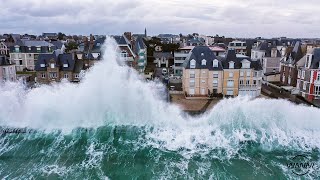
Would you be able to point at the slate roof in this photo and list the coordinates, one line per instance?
(293, 55)
(267, 48)
(315, 59)
(140, 44)
(35, 43)
(57, 44)
(237, 59)
(199, 53)
(166, 55)
(74, 64)
(121, 40)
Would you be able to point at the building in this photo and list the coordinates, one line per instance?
(90, 51)
(182, 53)
(268, 55)
(289, 65)
(55, 66)
(162, 59)
(141, 51)
(239, 46)
(308, 79)
(202, 73)
(7, 70)
(242, 76)
(4, 50)
(127, 55)
(24, 53)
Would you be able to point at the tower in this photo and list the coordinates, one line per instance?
(145, 32)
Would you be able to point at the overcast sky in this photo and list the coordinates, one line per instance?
(236, 18)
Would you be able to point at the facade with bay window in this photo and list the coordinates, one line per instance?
(308, 79)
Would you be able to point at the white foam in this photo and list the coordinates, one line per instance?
(111, 94)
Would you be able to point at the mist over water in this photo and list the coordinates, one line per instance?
(114, 124)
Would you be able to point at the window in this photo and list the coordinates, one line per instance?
(192, 83)
(42, 65)
(38, 49)
(65, 65)
(66, 76)
(230, 92)
(230, 74)
(203, 62)
(215, 63)
(29, 55)
(215, 83)
(192, 74)
(52, 65)
(318, 77)
(193, 64)
(231, 65)
(255, 74)
(53, 75)
(248, 73)
(20, 62)
(230, 83)
(241, 82)
(203, 71)
(17, 49)
(283, 78)
(215, 74)
(29, 48)
(203, 91)
(317, 90)
(203, 81)
(191, 91)
(246, 64)
(241, 73)
(304, 85)
(43, 75)
(254, 82)
(299, 73)
(76, 75)
(289, 80)
(303, 74)
(247, 82)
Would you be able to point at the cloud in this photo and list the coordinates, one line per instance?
(237, 18)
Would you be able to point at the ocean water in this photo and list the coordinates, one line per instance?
(114, 125)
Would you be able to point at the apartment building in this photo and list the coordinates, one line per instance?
(7, 70)
(240, 47)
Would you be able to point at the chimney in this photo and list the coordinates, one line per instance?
(91, 42)
(128, 36)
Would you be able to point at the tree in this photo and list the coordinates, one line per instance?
(61, 35)
(71, 46)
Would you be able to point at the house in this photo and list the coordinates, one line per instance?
(268, 55)
(289, 65)
(24, 53)
(239, 46)
(4, 50)
(182, 53)
(202, 73)
(141, 51)
(308, 79)
(90, 51)
(127, 56)
(241, 75)
(7, 70)
(50, 35)
(55, 67)
(162, 59)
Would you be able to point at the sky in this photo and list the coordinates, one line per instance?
(231, 18)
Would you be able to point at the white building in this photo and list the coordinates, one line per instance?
(240, 47)
(7, 70)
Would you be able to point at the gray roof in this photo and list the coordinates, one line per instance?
(294, 55)
(57, 44)
(200, 53)
(121, 40)
(60, 59)
(35, 43)
(315, 58)
(237, 59)
(166, 55)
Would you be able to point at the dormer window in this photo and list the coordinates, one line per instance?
(245, 64)
(42, 65)
(65, 65)
(215, 63)
(52, 65)
(193, 64)
(231, 65)
(204, 62)
(202, 54)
